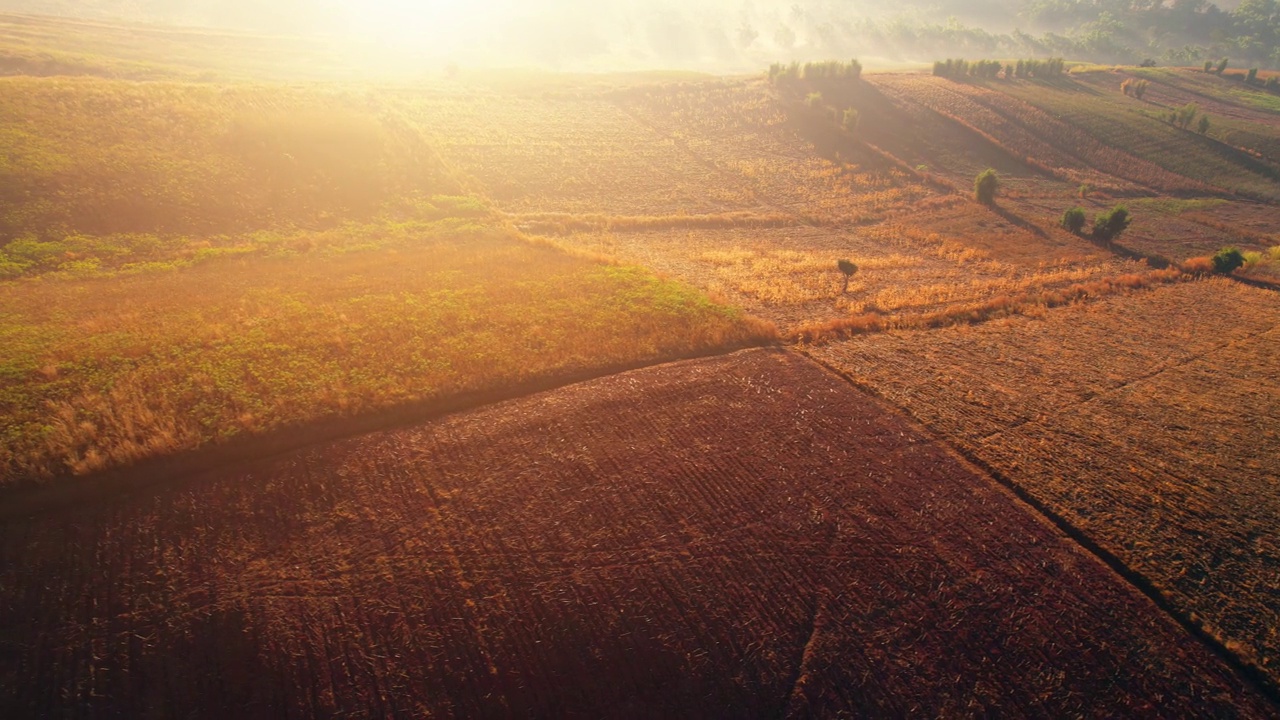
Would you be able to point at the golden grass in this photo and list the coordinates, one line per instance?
(102, 372)
(1031, 303)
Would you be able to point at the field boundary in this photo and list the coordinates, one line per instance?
(63, 492)
(1249, 673)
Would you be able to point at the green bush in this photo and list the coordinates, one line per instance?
(985, 186)
(1227, 260)
(1107, 226)
(1073, 220)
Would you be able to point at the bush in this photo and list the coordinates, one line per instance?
(1108, 226)
(1203, 126)
(1252, 76)
(1134, 87)
(1227, 260)
(985, 185)
(1222, 66)
(849, 121)
(814, 100)
(1073, 220)
(1208, 66)
(1272, 83)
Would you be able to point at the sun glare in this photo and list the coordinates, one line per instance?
(423, 24)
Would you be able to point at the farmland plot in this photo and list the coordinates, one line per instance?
(1147, 421)
(604, 549)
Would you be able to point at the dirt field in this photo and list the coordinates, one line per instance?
(1148, 421)
(607, 549)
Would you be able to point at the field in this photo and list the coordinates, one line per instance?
(603, 549)
(1144, 421)
(994, 467)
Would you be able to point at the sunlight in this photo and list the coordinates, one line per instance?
(435, 24)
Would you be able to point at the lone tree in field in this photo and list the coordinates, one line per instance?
(1227, 260)
(1203, 126)
(848, 268)
(984, 187)
(1107, 226)
(1073, 220)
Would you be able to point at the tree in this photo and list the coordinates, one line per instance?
(1227, 260)
(848, 268)
(1203, 126)
(985, 185)
(1108, 226)
(1222, 66)
(1073, 220)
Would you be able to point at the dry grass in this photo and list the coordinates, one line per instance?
(1146, 419)
(102, 372)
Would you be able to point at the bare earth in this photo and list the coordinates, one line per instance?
(741, 536)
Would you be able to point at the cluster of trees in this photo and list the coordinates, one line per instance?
(1250, 77)
(957, 69)
(830, 70)
(1184, 116)
(1107, 226)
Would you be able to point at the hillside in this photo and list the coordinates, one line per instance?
(1000, 464)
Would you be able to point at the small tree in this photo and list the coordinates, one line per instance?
(1252, 76)
(1108, 226)
(813, 100)
(1208, 66)
(848, 268)
(1073, 220)
(1227, 260)
(1203, 126)
(1222, 66)
(985, 186)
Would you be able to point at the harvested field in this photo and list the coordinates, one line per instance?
(1146, 421)
(604, 549)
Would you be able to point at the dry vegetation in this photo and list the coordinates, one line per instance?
(534, 558)
(187, 262)
(104, 371)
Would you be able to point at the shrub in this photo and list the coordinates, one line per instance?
(1134, 87)
(1227, 260)
(1272, 83)
(1203, 126)
(1208, 66)
(1222, 66)
(849, 121)
(1252, 76)
(985, 185)
(1147, 63)
(1073, 220)
(1107, 226)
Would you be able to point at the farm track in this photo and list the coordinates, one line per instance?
(602, 548)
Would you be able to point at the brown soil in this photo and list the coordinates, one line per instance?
(1148, 421)
(740, 536)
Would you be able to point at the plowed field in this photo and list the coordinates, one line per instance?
(741, 536)
(1149, 422)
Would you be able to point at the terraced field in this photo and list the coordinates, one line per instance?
(604, 549)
